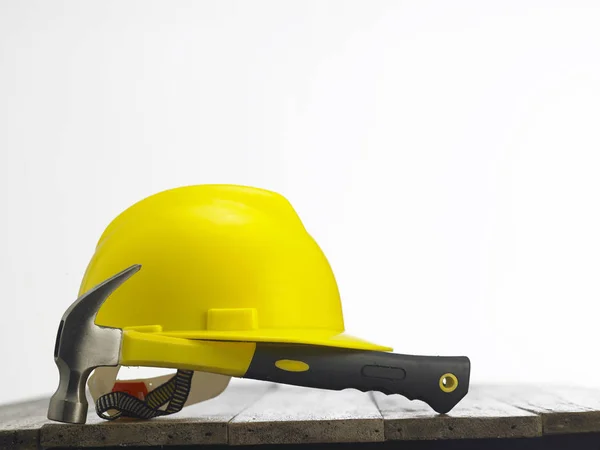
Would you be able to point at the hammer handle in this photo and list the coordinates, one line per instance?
(441, 382)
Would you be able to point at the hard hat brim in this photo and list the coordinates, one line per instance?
(309, 337)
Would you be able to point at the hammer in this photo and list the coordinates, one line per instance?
(82, 345)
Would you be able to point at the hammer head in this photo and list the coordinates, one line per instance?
(81, 346)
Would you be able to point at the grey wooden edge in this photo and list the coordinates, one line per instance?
(20, 424)
(294, 415)
(475, 417)
(562, 409)
(201, 424)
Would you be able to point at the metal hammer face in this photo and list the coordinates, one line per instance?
(81, 346)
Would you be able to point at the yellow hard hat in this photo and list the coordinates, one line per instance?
(222, 281)
(220, 262)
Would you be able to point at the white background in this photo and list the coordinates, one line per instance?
(445, 155)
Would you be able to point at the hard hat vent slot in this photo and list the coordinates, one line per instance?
(232, 319)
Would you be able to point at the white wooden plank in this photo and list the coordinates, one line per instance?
(201, 424)
(475, 417)
(293, 414)
(20, 424)
(563, 409)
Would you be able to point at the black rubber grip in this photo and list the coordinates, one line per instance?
(439, 381)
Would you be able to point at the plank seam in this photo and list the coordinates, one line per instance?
(372, 397)
(533, 411)
(382, 418)
(260, 397)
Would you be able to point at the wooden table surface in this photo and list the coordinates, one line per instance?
(263, 413)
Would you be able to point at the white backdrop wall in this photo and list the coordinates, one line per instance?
(445, 155)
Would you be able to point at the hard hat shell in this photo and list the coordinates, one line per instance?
(220, 262)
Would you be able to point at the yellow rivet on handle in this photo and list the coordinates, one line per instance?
(290, 365)
(448, 382)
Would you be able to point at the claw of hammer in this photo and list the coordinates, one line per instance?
(81, 346)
